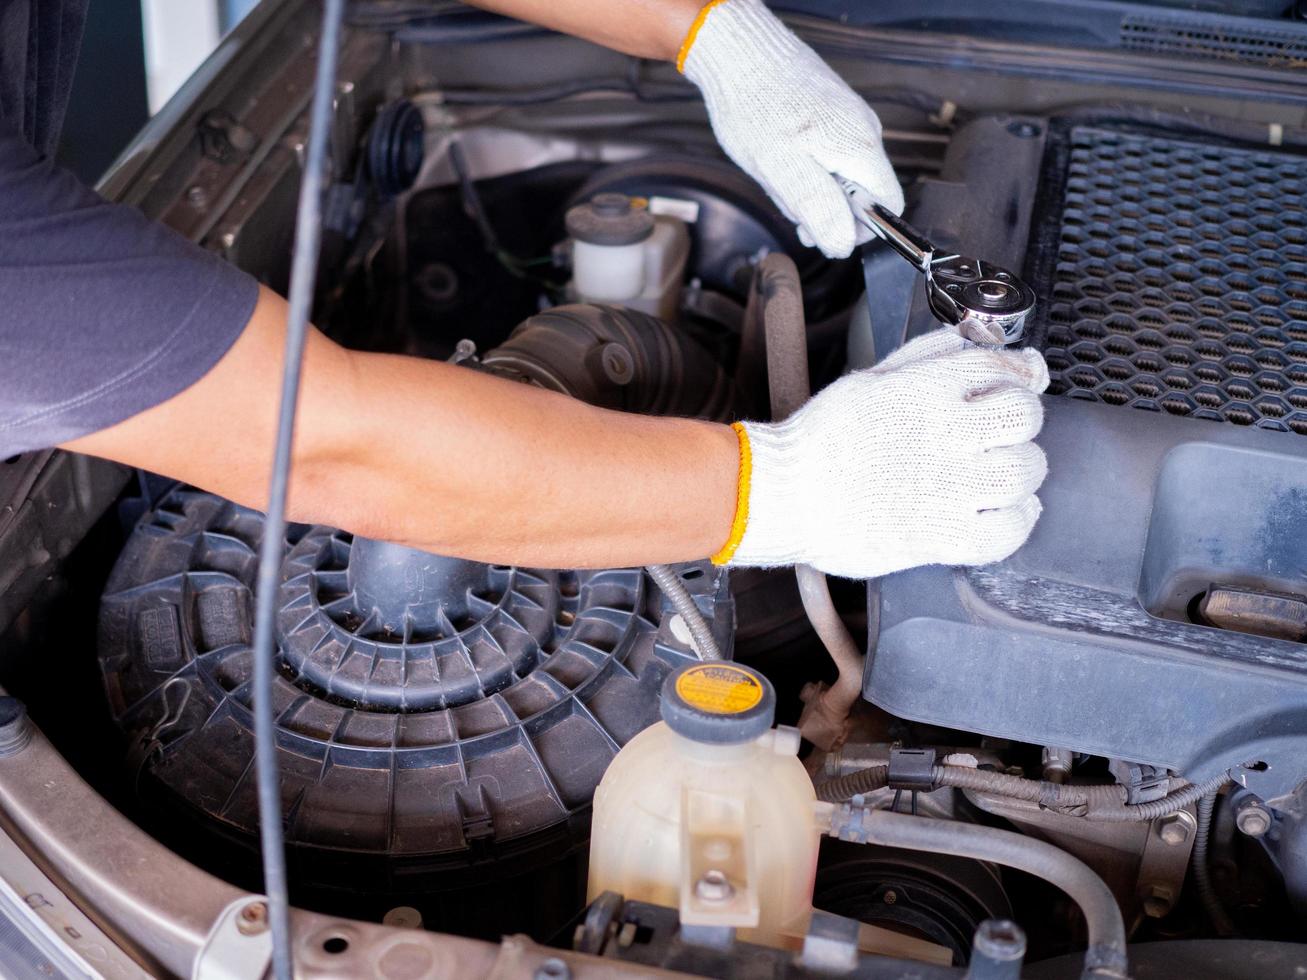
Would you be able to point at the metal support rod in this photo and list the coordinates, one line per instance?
(304, 261)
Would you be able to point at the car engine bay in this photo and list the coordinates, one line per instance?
(1129, 688)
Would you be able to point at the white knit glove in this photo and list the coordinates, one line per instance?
(787, 120)
(924, 459)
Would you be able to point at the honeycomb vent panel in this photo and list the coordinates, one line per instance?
(1179, 282)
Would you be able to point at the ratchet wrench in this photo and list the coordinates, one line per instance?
(986, 302)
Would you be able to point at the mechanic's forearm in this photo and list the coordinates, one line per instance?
(646, 28)
(442, 457)
(487, 468)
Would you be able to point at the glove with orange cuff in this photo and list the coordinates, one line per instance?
(925, 459)
(787, 120)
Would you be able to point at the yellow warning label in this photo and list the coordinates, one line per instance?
(721, 689)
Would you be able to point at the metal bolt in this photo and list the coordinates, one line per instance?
(1057, 762)
(1253, 820)
(890, 897)
(252, 919)
(227, 239)
(1000, 940)
(198, 197)
(1176, 829)
(403, 917)
(553, 969)
(1157, 901)
(714, 886)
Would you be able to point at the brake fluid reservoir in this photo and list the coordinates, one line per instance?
(621, 253)
(711, 812)
(608, 235)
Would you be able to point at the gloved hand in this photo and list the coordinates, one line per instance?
(926, 458)
(788, 120)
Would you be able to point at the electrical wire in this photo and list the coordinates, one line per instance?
(1105, 803)
(679, 596)
(1217, 916)
(304, 261)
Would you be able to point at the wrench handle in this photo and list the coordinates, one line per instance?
(888, 226)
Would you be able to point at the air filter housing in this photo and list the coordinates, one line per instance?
(1175, 278)
(428, 709)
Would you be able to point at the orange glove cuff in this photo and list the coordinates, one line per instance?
(693, 33)
(741, 497)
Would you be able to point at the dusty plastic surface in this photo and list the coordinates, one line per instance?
(1084, 638)
(671, 813)
(473, 722)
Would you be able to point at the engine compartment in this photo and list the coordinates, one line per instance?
(443, 724)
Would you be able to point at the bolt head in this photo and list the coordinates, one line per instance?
(1176, 829)
(252, 919)
(1253, 820)
(1156, 908)
(1173, 834)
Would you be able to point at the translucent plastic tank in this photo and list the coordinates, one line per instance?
(623, 254)
(711, 812)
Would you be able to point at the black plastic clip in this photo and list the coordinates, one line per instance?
(911, 769)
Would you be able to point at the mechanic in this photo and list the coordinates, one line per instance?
(120, 339)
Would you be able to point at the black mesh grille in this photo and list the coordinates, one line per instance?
(1180, 279)
(1186, 37)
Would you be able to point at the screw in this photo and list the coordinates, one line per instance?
(252, 919)
(714, 886)
(227, 239)
(198, 197)
(1253, 820)
(891, 897)
(1175, 829)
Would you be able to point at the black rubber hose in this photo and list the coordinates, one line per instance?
(304, 264)
(1106, 803)
(1216, 914)
(1106, 953)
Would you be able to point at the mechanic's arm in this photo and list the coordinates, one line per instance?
(441, 457)
(926, 459)
(777, 109)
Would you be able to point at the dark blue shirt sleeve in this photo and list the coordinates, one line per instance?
(103, 313)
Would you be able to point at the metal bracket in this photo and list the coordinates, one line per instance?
(239, 945)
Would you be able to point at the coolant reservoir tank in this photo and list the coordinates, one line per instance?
(711, 812)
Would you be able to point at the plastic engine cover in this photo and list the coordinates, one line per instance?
(1169, 280)
(1086, 638)
(426, 707)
